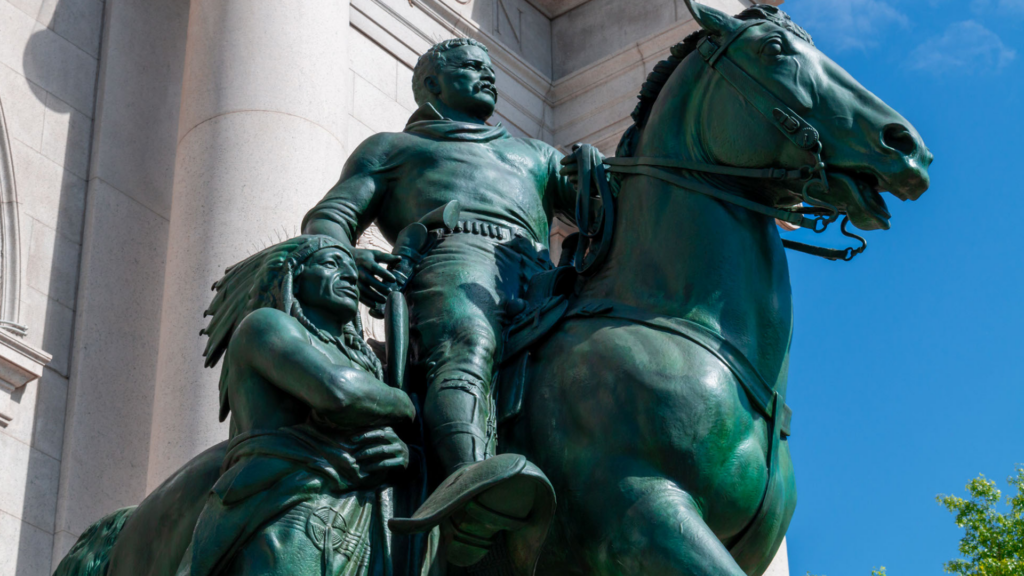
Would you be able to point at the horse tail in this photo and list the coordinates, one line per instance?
(90, 556)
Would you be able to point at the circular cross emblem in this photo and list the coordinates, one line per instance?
(326, 528)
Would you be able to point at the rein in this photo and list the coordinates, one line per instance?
(788, 122)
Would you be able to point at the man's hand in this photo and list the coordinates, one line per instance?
(374, 279)
(380, 450)
(571, 168)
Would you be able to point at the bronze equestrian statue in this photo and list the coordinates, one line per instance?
(644, 378)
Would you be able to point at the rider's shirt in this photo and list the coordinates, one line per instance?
(497, 179)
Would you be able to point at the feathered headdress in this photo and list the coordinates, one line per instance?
(264, 280)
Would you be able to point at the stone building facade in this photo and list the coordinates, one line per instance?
(145, 145)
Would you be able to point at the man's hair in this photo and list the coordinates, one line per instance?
(432, 60)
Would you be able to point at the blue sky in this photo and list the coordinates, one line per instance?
(907, 375)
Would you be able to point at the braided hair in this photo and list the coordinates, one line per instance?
(266, 280)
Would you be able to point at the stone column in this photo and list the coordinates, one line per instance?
(260, 140)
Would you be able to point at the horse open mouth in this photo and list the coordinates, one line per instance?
(858, 194)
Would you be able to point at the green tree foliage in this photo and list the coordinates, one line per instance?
(994, 542)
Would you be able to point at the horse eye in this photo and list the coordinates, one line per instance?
(772, 49)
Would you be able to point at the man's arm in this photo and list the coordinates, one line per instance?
(351, 206)
(354, 202)
(276, 346)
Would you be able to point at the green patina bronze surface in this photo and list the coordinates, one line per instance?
(643, 379)
(299, 488)
(657, 406)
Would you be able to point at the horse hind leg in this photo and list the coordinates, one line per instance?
(662, 532)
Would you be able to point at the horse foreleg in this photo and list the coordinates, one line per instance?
(662, 532)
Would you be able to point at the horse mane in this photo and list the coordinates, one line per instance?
(663, 70)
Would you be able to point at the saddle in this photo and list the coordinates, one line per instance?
(550, 300)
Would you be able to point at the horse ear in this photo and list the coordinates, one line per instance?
(714, 21)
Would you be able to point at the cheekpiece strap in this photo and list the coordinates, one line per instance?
(798, 130)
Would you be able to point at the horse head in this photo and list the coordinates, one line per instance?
(760, 94)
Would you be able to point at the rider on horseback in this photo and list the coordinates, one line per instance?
(509, 189)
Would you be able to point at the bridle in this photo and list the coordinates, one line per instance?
(816, 215)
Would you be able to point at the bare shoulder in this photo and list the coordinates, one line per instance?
(268, 327)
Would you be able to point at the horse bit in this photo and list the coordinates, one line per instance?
(787, 121)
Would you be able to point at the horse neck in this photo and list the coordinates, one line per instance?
(683, 254)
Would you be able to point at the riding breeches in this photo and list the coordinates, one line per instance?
(457, 302)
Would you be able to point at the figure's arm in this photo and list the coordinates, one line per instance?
(276, 346)
(354, 202)
(351, 206)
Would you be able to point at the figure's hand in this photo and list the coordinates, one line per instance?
(570, 167)
(373, 277)
(380, 450)
(571, 170)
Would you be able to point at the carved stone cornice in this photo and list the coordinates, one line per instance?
(20, 364)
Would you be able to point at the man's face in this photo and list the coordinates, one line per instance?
(466, 82)
(328, 282)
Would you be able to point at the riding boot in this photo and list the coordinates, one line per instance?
(460, 410)
(471, 532)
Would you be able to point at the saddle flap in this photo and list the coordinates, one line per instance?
(532, 325)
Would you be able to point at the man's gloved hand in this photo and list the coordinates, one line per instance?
(375, 280)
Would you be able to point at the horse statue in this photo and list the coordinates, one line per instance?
(651, 393)
(656, 403)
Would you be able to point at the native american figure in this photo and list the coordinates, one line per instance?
(301, 485)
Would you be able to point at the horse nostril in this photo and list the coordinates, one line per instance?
(899, 138)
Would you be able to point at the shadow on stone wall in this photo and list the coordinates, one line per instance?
(40, 63)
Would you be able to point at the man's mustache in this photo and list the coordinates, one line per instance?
(481, 86)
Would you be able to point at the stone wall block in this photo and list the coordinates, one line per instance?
(600, 28)
(48, 192)
(357, 133)
(80, 22)
(40, 10)
(52, 265)
(139, 93)
(405, 96)
(66, 136)
(50, 324)
(62, 543)
(24, 548)
(47, 59)
(29, 490)
(38, 409)
(373, 64)
(248, 62)
(374, 109)
(106, 447)
(613, 85)
(24, 113)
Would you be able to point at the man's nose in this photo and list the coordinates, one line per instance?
(488, 74)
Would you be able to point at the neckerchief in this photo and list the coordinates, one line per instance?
(427, 121)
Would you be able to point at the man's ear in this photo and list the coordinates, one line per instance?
(433, 86)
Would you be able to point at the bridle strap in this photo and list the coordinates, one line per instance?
(788, 122)
(761, 173)
(795, 218)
